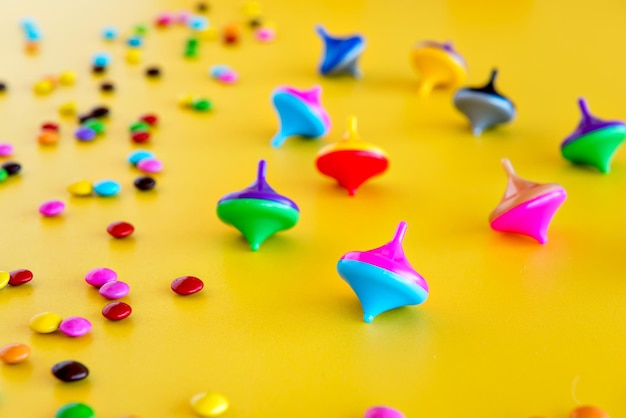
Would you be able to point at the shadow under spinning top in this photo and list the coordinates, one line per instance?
(484, 106)
(527, 207)
(340, 54)
(382, 278)
(300, 113)
(258, 212)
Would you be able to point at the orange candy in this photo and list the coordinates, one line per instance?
(48, 137)
(588, 412)
(14, 353)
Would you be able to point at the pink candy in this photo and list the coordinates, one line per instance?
(265, 34)
(75, 326)
(150, 165)
(99, 276)
(383, 412)
(52, 208)
(228, 77)
(114, 290)
(6, 149)
(164, 19)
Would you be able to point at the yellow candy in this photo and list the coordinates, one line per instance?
(68, 109)
(269, 24)
(251, 9)
(209, 34)
(80, 188)
(4, 278)
(209, 404)
(45, 322)
(67, 78)
(133, 56)
(43, 87)
(185, 100)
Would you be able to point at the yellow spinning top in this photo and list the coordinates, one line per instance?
(439, 65)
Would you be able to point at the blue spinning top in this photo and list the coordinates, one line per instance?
(300, 114)
(341, 54)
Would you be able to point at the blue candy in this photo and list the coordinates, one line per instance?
(139, 155)
(109, 33)
(106, 188)
(101, 59)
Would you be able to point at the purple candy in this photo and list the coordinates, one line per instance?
(114, 290)
(52, 208)
(84, 133)
(99, 276)
(75, 326)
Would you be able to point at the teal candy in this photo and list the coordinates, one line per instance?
(296, 119)
(378, 289)
(139, 155)
(106, 188)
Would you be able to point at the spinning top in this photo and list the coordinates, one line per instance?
(341, 54)
(594, 141)
(439, 66)
(526, 207)
(351, 162)
(382, 278)
(257, 211)
(300, 113)
(484, 106)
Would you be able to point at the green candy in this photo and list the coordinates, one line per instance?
(3, 174)
(257, 219)
(202, 105)
(192, 43)
(96, 125)
(141, 29)
(75, 410)
(595, 148)
(139, 126)
(191, 53)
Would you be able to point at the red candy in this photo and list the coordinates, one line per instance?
(187, 285)
(116, 311)
(50, 126)
(120, 229)
(19, 277)
(150, 119)
(140, 136)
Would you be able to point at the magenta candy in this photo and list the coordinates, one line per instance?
(75, 326)
(114, 290)
(99, 276)
(6, 149)
(150, 165)
(228, 77)
(383, 412)
(52, 208)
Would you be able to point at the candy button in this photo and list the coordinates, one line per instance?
(109, 33)
(150, 165)
(5, 277)
(99, 112)
(150, 119)
(21, 276)
(209, 404)
(144, 183)
(120, 229)
(67, 78)
(12, 168)
(95, 124)
(48, 137)
(588, 412)
(6, 149)
(45, 322)
(187, 285)
(70, 371)
(50, 126)
(80, 188)
(139, 126)
(99, 276)
(75, 326)
(116, 311)
(3, 174)
(75, 410)
(201, 105)
(139, 155)
(139, 137)
(383, 412)
(84, 133)
(265, 34)
(51, 208)
(68, 109)
(153, 72)
(101, 59)
(114, 290)
(106, 188)
(14, 353)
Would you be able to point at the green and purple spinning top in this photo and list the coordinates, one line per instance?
(258, 212)
(594, 141)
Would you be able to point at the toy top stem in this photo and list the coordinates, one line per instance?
(584, 109)
(261, 183)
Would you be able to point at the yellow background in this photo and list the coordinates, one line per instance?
(511, 328)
